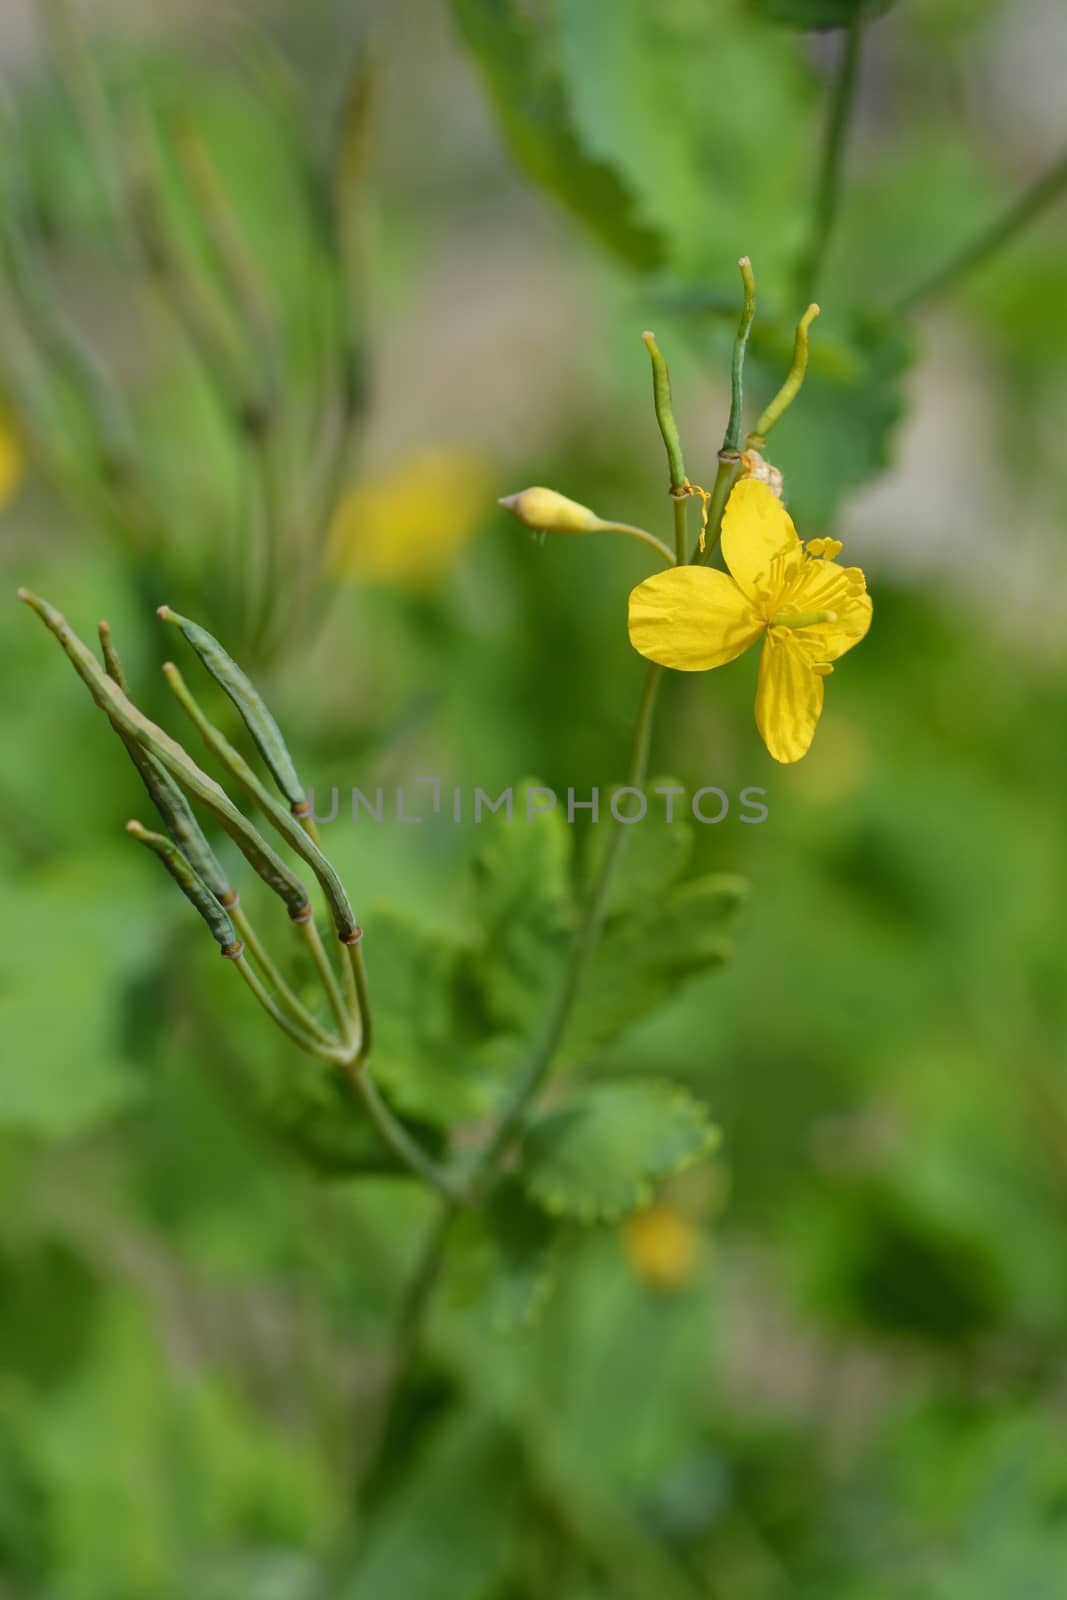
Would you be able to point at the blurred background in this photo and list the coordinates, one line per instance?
(831, 1364)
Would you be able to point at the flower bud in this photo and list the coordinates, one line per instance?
(550, 512)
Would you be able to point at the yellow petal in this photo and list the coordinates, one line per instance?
(759, 541)
(691, 618)
(789, 697)
(823, 585)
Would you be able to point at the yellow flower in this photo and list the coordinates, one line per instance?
(662, 1246)
(407, 526)
(12, 457)
(807, 610)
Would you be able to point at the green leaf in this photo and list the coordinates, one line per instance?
(504, 1258)
(514, 52)
(315, 1116)
(810, 14)
(447, 1531)
(838, 434)
(79, 936)
(425, 1055)
(600, 1155)
(701, 109)
(523, 906)
(647, 955)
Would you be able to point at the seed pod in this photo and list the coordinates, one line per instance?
(246, 697)
(112, 659)
(192, 887)
(125, 716)
(291, 831)
(168, 799)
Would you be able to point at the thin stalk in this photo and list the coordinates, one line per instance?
(306, 1042)
(681, 529)
(258, 951)
(649, 538)
(731, 439)
(396, 1136)
(828, 187)
(317, 950)
(359, 997)
(1000, 232)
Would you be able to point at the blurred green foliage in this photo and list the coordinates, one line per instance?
(856, 1391)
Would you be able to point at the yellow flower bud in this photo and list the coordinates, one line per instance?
(550, 512)
(662, 1246)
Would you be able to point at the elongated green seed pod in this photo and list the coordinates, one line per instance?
(246, 697)
(125, 716)
(168, 799)
(291, 831)
(192, 887)
(112, 660)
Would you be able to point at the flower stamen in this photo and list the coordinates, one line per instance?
(801, 619)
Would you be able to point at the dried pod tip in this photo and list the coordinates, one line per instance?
(167, 614)
(549, 512)
(22, 594)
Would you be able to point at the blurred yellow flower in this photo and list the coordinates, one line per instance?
(12, 456)
(807, 610)
(406, 526)
(662, 1246)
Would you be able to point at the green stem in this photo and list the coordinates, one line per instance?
(396, 1136)
(725, 477)
(306, 1042)
(993, 238)
(359, 998)
(828, 188)
(289, 1001)
(732, 437)
(681, 537)
(649, 538)
(310, 935)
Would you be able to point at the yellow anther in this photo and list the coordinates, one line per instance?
(827, 548)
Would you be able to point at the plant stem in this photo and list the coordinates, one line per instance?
(1002, 231)
(311, 937)
(828, 188)
(725, 475)
(290, 1002)
(277, 1015)
(359, 997)
(649, 538)
(396, 1136)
